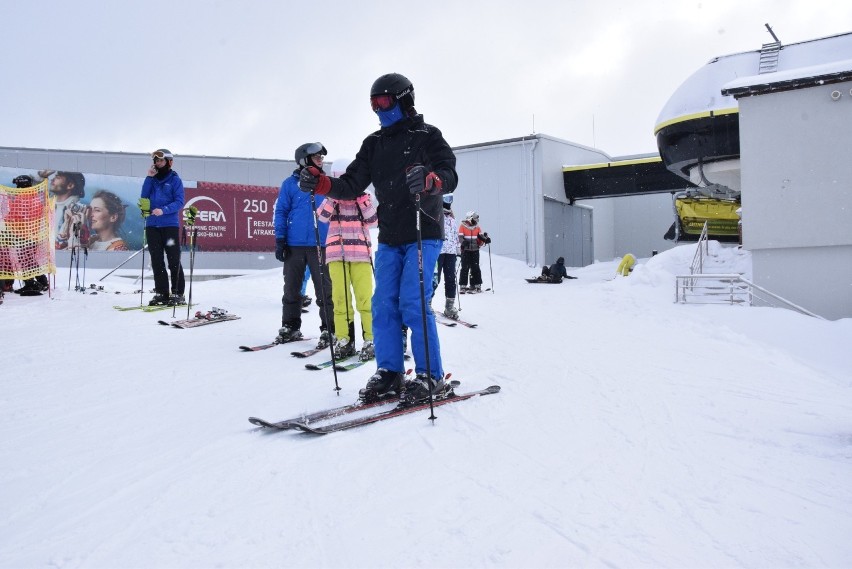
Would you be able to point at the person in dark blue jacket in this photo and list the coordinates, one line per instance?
(296, 247)
(408, 162)
(161, 202)
(555, 272)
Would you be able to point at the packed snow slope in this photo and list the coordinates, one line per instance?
(630, 431)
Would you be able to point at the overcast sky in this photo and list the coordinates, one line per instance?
(257, 78)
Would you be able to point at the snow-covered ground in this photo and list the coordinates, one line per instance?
(630, 432)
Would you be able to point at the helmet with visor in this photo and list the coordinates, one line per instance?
(305, 151)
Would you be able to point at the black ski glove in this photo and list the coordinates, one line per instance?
(282, 250)
(421, 180)
(313, 181)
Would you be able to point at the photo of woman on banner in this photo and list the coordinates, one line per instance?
(106, 213)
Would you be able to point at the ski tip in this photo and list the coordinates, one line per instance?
(307, 429)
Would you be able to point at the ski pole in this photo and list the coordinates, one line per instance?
(122, 264)
(77, 273)
(350, 320)
(71, 266)
(144, 246)
(85, 258)
(490, 269)
(191, 268)
(189, 219)
(423, 307)
(321, 261)
(458, 288)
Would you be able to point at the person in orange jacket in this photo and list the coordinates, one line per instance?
(471, 238)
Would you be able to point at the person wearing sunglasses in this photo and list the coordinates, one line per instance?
(408, 162)
(161, 203)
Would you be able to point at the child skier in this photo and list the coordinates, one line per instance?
(349, 260)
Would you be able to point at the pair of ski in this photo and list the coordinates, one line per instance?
(473, 291)
(541, 280)
(212, 317)
(308, 353)
(338, 364)
(305, 354)
(452, 322)
(146, 308)
(307, 423)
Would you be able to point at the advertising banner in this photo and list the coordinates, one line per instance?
(232, 217)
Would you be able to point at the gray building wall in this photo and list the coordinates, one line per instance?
(640, 223)
(797, 195)
(631, 224)
(507, 183)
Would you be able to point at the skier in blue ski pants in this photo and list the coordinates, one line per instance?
(396, 301)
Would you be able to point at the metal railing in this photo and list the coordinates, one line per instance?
(702, 249)
(721, 288)
(729, 289)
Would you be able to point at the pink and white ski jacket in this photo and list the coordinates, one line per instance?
(349, 223)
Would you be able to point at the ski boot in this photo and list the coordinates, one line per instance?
(450, 311)
(344, 349)
(176, 300)
(418, 390)
(287, 334)
(368, 351)
(159, 300)
(384, 383)
(325, 340)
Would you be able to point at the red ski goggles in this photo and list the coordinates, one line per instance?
(382, 102)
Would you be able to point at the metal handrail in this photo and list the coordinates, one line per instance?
(734, 289)
(702, 248)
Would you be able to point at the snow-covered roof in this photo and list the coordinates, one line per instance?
(822, 74)
(702, 93)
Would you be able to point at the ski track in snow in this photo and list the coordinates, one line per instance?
(629, 432)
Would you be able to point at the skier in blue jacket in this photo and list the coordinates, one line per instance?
(296, 247)
(161, 202)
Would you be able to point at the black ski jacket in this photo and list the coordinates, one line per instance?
(382, 161)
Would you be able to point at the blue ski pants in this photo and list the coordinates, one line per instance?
(396, 301)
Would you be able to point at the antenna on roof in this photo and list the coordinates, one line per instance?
(772, 33)
(594, 141)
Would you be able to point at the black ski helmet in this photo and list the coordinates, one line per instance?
(23, 181)
(397, 85)
(305, 151)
